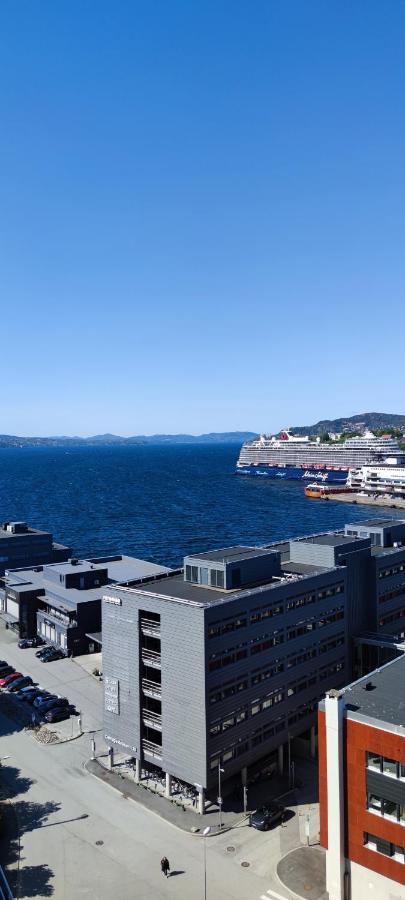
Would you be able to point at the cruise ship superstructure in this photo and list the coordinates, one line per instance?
(299, 457)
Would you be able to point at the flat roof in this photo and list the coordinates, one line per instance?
(27, 530)
(376, 523)
(329, 539)
(123, 569)
(232, 554)
(174, 586)
(385, 702)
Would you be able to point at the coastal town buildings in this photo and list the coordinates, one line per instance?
(21, 545)
(362, 786)
(62, 602)
(222, 663)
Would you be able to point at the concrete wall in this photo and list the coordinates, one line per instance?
(366, 883)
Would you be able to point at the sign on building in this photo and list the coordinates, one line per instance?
(111, 695)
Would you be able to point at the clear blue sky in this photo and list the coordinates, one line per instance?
(202, 213)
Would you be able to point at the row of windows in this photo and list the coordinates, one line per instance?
(392, 594)
(234, 718)
(263, 734)
(385, 765)
(333, 669)
(276, 667)
(261, 613)
(386, 808)
(399, 614)
(395, 570)
(395, 851)
(332, 615)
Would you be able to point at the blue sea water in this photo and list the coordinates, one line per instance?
(155, 502)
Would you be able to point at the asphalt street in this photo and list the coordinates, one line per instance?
(80, 838)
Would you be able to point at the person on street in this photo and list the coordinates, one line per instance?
(164, 865)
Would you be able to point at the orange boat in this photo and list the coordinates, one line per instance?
(324, 491)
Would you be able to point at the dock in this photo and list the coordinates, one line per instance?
(385, 502)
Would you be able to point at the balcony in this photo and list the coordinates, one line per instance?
(152, 719)
(151, 658)
(152, 689)
(150, 628)
(152, 749)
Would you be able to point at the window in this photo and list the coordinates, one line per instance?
(390, 809)
(217, 578)
(192, 574)
(374, 803)
(389, 767)
(373, 761)
(380, 845)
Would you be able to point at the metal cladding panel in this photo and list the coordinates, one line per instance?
(384, 786)
(183, 692)
(121, 662)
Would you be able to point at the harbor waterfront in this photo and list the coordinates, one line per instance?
(157, 503)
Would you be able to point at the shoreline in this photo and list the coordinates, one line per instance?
(358, 499)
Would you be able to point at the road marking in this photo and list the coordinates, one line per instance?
(273, 895)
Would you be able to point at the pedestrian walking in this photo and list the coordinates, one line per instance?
(165, 866)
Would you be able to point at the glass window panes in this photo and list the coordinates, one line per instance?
(390, 809)
(402, 813)
(373, 761)
(389, 767)
(374, 803)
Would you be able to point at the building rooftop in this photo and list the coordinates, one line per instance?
(384, 700)
(232, 554)
(21, 528)
(121, 570)
(173, 587)
(376, 523)
(331, 539)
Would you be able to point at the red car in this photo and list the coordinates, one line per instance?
(9, 678)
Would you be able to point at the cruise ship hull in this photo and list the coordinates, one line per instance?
(297, 473)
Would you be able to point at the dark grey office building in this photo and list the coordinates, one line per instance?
(224, 662)
(24, 546)
(62, 602)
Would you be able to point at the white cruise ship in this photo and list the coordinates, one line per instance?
(300, 457)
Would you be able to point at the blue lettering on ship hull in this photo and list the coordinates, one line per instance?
(288, 473)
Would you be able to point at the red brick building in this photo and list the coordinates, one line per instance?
(362, 786)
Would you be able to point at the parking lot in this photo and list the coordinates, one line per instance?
(63, 677)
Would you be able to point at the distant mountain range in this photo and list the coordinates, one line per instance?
(104, 440)
(374, 421)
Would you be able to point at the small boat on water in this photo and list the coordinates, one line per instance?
(323, 491)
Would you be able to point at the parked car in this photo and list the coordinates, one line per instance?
(43, 698)
(6, 670)
(26, 692)
(54, 654)
(19, 683)
(266, 816)
(3, 662)
(30, 642)
(57, 703)
(34, 694)
(40, 653)
(4, 682)
(58, 714)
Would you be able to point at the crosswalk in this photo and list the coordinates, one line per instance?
(272, 895)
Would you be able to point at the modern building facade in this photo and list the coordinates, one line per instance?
(24, 546)
(362, 786)
(62, 602)
(223, 662)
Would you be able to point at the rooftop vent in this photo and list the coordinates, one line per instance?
(74, 561)
(16, 527)
(369, 686)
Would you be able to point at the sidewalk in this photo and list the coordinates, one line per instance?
(303, 872)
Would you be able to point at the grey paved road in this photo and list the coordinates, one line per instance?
(80, 838)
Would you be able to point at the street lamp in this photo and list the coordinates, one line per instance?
(205, 833)
(219, 794)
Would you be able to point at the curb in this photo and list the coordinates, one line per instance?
(214, 832)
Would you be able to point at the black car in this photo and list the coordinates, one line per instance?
(54, 654)
(20, 683)
(26, 693)
(53, 703)
(266, 816)
(40, 653)
(43, 697)
(58, 714)
(6, 670)
(30, 642)
(33, 695)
